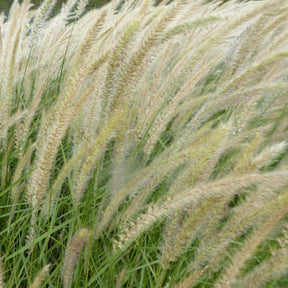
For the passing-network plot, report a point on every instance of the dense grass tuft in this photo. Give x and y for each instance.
(143, 145)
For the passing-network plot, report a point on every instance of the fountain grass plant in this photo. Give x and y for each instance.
(144, 146)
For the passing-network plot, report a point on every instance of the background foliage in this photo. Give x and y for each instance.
(6, 4)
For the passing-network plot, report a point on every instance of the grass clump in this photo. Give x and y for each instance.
(143, 145)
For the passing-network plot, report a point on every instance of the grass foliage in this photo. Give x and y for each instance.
(144, 146)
